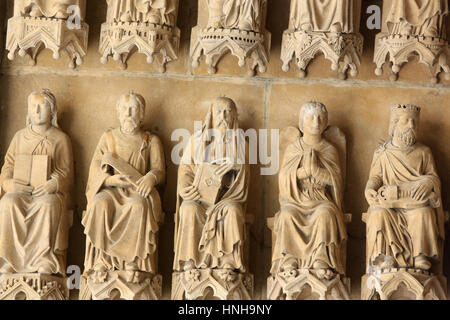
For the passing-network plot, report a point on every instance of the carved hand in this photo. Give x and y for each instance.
(15, 186)
(117, 181)
(50, 187)
(224, 169)
(371, 196)
(307, 163)
(146, 185)
(314, 164)
(421, 189)
(190, 193)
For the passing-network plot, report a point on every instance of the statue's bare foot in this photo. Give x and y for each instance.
(188, 265)
(306, 27)
(153, 17)
(228, 266)
(126, 17)
(131, 266)
(290, 265)
(406, 30)
(45, 269)
(321, 268)
(336, 28)
(383, 261)
(421, 262)
(35, 11)
(100, 267)
(329, 274)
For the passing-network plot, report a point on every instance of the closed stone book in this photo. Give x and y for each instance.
(33, 170)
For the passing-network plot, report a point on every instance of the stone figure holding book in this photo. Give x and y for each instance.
(213, 180)
(235, 14)
(151, 11)
(405, 221)
(124, 207)
(36, 181)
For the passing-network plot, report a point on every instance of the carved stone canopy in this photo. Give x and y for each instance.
(414, 28)
(329, 27)
(55, 24)
(231, 26)
(137, 26)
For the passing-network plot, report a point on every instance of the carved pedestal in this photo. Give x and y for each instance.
(33, 286)
(433, 52)
(29, 34)
(211, 284)
(119, 39)
(250, 47)
(344, 50)
(403, 284)
(302, 284)
(121, 285)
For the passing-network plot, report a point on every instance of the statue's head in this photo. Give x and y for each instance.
(42, 108)
(404, 123)
(224, 114)
(130, 111)
(313, 118)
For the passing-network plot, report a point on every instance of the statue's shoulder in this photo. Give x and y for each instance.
(422, 148)
(382, 147)
(58, 133)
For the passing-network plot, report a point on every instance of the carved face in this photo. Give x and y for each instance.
(223, 114)
(39, 110)
(130, 114)
(314, 122)
(405, 131)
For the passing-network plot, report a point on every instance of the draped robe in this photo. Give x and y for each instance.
(322, 14)
(310, 224)
(418, 13)
(208, 235)
(236, 14)
(34, 230)
(138, 10)
(405, 233)
(120, 225)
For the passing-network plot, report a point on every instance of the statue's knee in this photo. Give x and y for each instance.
(101, 202)
(10, 199)
(324, 215)
(287, 215)
(50, 200)
(189, 209)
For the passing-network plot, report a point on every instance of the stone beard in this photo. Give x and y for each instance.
(325, 15)
(235, 14)
(153, 11)
(120, 225)
(34, 229)
(402, 234)
(421, 17)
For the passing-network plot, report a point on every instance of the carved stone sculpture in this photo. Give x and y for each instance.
(210, 231)
(149, 26)
(414, 27)
(330, 27)
(52, 24)
(309, 233)
(36, 181)
(235, 26)
(405, 221)
(124, 210)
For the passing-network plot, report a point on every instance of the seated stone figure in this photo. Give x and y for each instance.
(310, 230)
(153, 11)
(418, 17)
(36, 181)
(328, 15)
(124, 207)
(210, 234)
(405, 221)
(235, 14)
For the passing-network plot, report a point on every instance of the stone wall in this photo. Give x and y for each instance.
(359, 106)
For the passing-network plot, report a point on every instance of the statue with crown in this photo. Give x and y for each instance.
(405, 220)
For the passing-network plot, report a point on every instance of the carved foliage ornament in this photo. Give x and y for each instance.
(52, 24)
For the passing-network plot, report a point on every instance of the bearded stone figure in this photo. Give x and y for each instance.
(124, 207)
(49, 8)
(235, 14)
(324, 15)
(36, 181)
(210, 234)
(418, 17)
(405, 223)
(152, 11)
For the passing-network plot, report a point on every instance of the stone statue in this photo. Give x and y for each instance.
(418, 17)
(405, 221)
(36, 182)
(153, 11)
(309, 231)
(213, 182)
(50, 8)
(124, 207)
(328, 15)
(235, 14)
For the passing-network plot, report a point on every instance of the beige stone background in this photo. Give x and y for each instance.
(359, 106)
